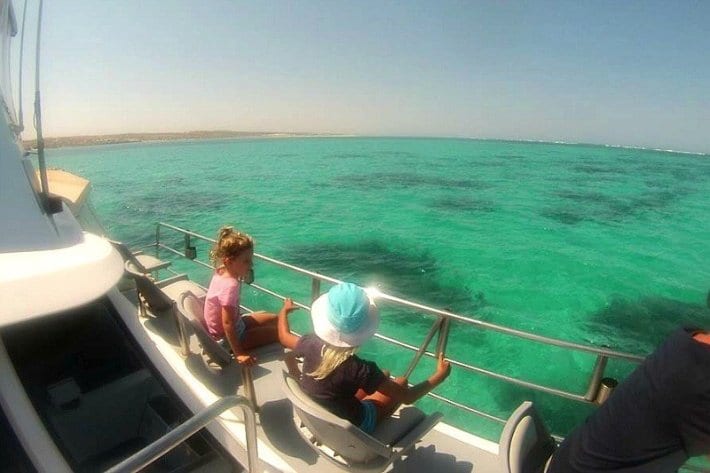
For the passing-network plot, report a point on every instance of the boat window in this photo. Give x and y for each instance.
(95, 393)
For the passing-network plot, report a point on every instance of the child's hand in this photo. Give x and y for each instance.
(289, 306)
(443, 369)
(246, 359)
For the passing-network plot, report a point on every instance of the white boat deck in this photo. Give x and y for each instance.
(444, 449)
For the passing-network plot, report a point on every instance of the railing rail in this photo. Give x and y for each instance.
(179, 434)
(432, 310)
(440, 327)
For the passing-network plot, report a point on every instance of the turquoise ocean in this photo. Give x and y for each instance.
(604, 246)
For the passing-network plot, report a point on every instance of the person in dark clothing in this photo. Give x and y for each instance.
(654, 420)
(333, 375)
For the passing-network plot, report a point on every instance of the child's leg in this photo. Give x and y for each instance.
(385, 404)
(258, 337)
(260, 318)
(260, 329)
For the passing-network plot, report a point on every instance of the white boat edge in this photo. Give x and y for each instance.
(82, 271)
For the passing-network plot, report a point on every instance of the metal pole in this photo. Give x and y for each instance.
(422, 348)
(315, 289)
(38, 121)
(596, 377)
(443, 336)
(190, 251)
(172, 439)
(157, 237)
(249, 391)
(20, 114)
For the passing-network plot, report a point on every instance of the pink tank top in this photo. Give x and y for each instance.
(223, 291)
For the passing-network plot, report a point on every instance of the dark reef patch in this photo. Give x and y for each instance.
(564, 215)
(647, 320)
(397, 154)
(386, 180)
(161, 205)
(490, 163)
(656, 183)
(495, 161)
(347, 156)
(632, 160)
(688, 174)
(656, 199)
(602, 208)
(583, 197)
(596, 169)
(403, 273)
(463, 204)
(684, 172)
(382, 154)
(511, 157)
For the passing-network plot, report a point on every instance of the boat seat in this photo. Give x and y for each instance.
(191, 307)
(137, 261)
(347, 446)
(526, 445)
(159, 296)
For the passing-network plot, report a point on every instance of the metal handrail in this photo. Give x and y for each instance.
(441, 326)
(420, 351)
(436, 326)
(432, 310)
(490, 374)
(179, 434)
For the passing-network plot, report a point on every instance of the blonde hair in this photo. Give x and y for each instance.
(230, 243)
(331, 358)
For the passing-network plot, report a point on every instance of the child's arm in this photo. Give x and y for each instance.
(228, 316)
(408, 395)
(287, 339)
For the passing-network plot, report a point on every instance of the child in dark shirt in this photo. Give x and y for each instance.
(350, 387)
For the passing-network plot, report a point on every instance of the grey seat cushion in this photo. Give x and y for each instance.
(391, 430)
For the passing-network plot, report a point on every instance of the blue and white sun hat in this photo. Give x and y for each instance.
(345, 316)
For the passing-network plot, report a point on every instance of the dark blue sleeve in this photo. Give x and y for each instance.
(367, 375)
(300, 348)
(693, 400)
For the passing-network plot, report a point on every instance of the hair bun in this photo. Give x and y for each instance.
(224, 232)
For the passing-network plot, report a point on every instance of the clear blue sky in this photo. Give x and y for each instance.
(631, 73)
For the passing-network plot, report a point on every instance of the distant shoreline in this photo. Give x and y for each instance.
(96, 140)
(123, 138)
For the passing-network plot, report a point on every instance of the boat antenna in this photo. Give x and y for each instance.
(20, 118)
(38, 120)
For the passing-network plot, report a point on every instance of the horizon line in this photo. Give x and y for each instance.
(226, 134)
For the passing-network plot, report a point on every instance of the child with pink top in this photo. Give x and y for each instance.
(232, 257)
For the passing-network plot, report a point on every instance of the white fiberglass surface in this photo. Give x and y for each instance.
(39, 283)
